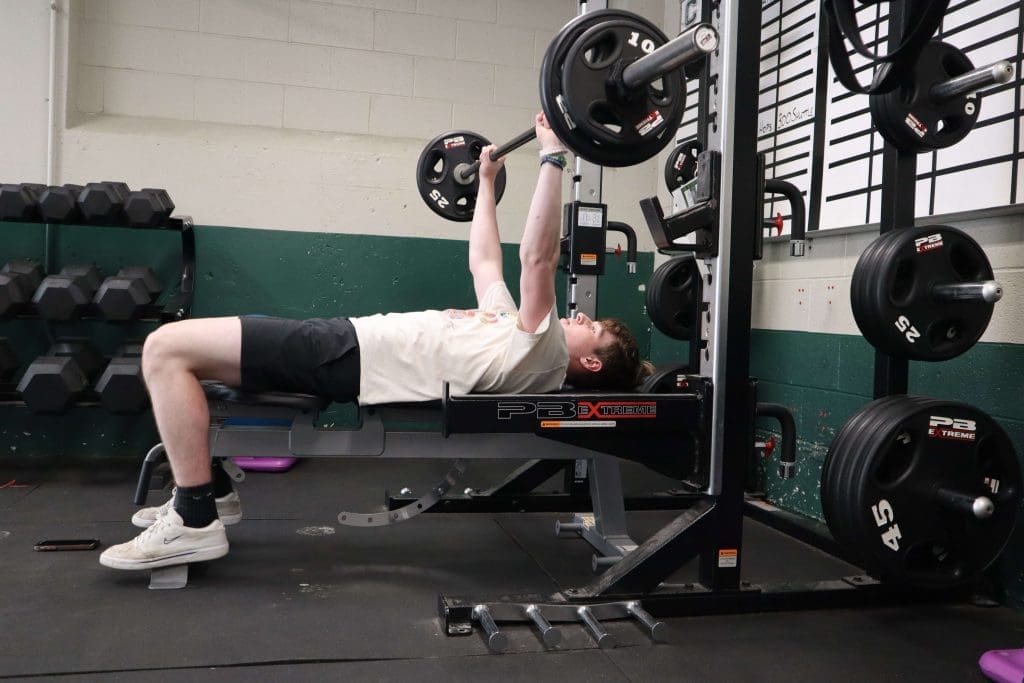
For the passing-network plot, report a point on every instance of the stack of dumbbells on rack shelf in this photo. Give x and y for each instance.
(73, 371)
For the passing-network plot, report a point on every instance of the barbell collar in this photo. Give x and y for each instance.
(988, 291)
(972, 81)
(980, 507)
(689, 46)
(464, 174)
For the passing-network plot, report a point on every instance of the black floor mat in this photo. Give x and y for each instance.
(301, 597)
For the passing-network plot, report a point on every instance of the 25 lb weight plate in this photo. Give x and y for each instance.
(437, 179)
(897, 293)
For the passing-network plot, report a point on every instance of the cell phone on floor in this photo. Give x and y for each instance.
(68, 544)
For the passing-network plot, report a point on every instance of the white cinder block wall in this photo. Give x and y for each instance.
(289, 114)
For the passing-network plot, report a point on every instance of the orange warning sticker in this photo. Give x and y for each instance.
(728, 557)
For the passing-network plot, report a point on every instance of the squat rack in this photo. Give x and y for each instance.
(711, 530)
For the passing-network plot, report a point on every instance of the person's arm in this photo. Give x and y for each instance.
(484, 241)
(539, 249)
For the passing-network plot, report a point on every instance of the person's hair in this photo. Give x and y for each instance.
(621, 366)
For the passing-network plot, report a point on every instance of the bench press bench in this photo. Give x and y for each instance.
(658, 430)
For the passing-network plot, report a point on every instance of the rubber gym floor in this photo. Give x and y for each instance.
(302, 598)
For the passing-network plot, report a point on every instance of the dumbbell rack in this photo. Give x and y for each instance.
(177, 307)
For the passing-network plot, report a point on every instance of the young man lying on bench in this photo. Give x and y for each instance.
(398, 357)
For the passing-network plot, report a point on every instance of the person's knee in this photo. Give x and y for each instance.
(163, 350)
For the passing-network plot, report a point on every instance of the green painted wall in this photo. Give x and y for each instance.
(274, 272)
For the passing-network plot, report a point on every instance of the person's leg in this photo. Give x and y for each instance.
(175, 358)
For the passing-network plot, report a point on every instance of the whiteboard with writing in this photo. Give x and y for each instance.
(795, 117)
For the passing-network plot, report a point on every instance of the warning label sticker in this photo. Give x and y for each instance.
(728, 557)
(650, 123)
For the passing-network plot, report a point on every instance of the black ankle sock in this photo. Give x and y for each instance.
(222, 484)
(196, 505)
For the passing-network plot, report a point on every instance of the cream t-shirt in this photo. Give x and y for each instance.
(409, 356)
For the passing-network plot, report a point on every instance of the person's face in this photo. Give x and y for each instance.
(584, 336)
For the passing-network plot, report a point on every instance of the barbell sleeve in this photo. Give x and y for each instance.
(657, 629)
(603, 638)
(980, 507)
(690, 45)
(496, 640)
(987, 291)
(515, 143)
(550, 635)
(972, 81)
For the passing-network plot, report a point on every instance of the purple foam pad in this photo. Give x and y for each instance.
(265, 464)
(1003, 666)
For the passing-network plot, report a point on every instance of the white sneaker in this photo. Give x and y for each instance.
(167, 542)
(229, 511)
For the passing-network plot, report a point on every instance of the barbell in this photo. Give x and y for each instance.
(612, 89)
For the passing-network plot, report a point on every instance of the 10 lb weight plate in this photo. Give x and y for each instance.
(674, 297)
(681, 164)
(584, 101)
(913, 120)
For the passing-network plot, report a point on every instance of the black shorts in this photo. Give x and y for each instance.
(318, 356)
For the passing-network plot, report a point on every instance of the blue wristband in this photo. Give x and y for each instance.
(555, 160)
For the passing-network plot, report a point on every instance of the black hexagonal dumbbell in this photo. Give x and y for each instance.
(20, 202)
(103, 203)
(125, 296)
(121, 388)
(67, 295)
(60, 204)
(53, 382)
(148, 208)
(18, 280)
(8, 361)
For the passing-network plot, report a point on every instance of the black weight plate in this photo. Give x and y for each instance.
(864, 275)
(924, 446)
(639, 122)
(847, 453)
(673, 297)
(836, 457)
(589, 126)
(551, 74)
(436, 178)
(911, 119)
(857, 448)
(681, 164)
(842, 453)
(896, 308)
(665, 380)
